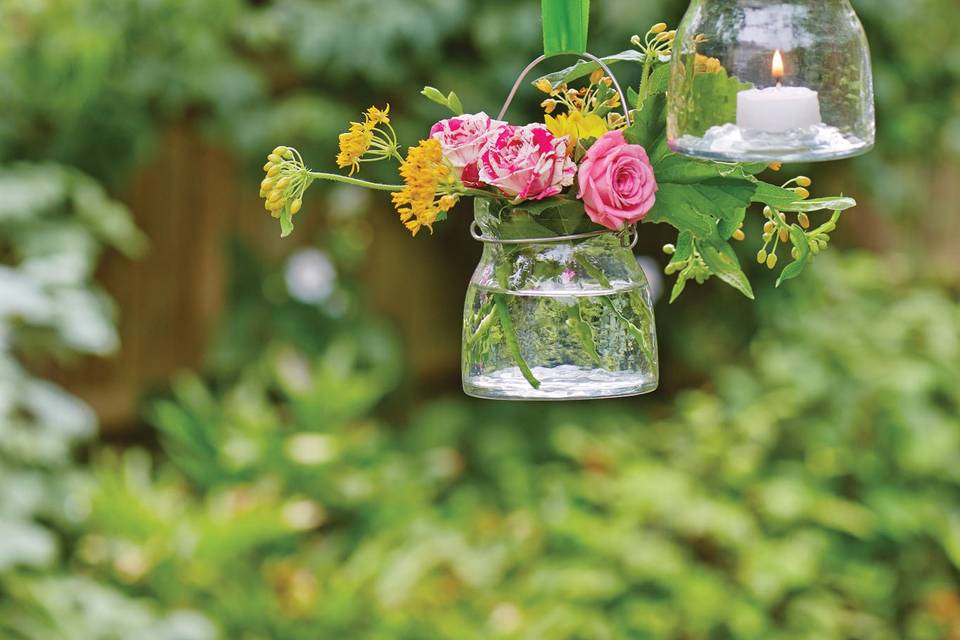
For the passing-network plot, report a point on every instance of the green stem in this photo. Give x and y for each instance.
(356, 181)
(511, 337)
(482, 328)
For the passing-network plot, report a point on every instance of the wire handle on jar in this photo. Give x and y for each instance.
(585, 56)
(628, 237)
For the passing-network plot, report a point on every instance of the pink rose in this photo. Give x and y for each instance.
(462, 139)
(617, 184)
(528, 163)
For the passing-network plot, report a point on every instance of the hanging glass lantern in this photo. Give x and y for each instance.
(771, 80)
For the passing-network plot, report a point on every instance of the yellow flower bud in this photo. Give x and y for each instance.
(273, 157)
(804, 181)
(660, 27)
(669, 249)
(283, 182)
(596, 76)
(295, 206)
(636, 41)
(769, 226)
(267, 166)
(804, 220)
(768, 212)
(266, 184)
(761, 256)
(803, 193)
(544, 85)
(275, 195)
(784, 235)
(273, 170)
(280, 151)
(795, 253)
(776, 166)
(771, 261)
(739, 235)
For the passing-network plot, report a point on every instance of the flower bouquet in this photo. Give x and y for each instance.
(558, 307)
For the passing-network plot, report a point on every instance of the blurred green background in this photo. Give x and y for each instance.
(282, 448)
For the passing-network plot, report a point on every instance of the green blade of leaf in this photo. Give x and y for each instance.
(795, 268)
(821, 204)
(286, 222)
(723, 263)
(433, 94)
(565, 25)
(584, 68)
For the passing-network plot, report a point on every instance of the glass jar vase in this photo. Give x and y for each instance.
(557, 309)
(766, 80)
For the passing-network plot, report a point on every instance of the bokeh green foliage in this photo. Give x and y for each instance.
(807, 490)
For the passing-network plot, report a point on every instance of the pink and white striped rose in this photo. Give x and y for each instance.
(462, 139)
(526, 163)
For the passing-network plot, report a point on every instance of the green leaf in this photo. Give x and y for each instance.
(565, 24)
(649, 123)
(821, 204)
(434, 94)
(711, 101)
(795, 268)
(584, 68)
(286, 222)
(723, 262)
(708, 209)
(684, 247)
(453, 102)
(776, 197)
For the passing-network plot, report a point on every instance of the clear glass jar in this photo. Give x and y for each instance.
(800, 71)
(556, 310)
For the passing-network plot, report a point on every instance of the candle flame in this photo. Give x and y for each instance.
(777, 66)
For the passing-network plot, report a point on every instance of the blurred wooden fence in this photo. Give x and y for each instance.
(187, 200)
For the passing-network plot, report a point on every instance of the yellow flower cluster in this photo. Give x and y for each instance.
(424, 173)
(285, 181)
(704, 64)
(362, 139)
(576, 126)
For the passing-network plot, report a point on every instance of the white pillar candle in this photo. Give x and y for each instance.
(778, 108)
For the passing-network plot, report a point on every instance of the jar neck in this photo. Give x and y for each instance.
(533, 221)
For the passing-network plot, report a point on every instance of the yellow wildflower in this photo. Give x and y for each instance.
(544, 85)
(424, 173)
(703, 64)
(576, 126)
(376, 116)
(353, 144)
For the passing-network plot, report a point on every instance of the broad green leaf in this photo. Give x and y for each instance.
(649, 123)
(795, 268)
(776, 197)
(286, 222)
(684, 247)
(711, 101)
(723, 262)
(565, 24)
(708, 209)
(684, 170)
(584, 68)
